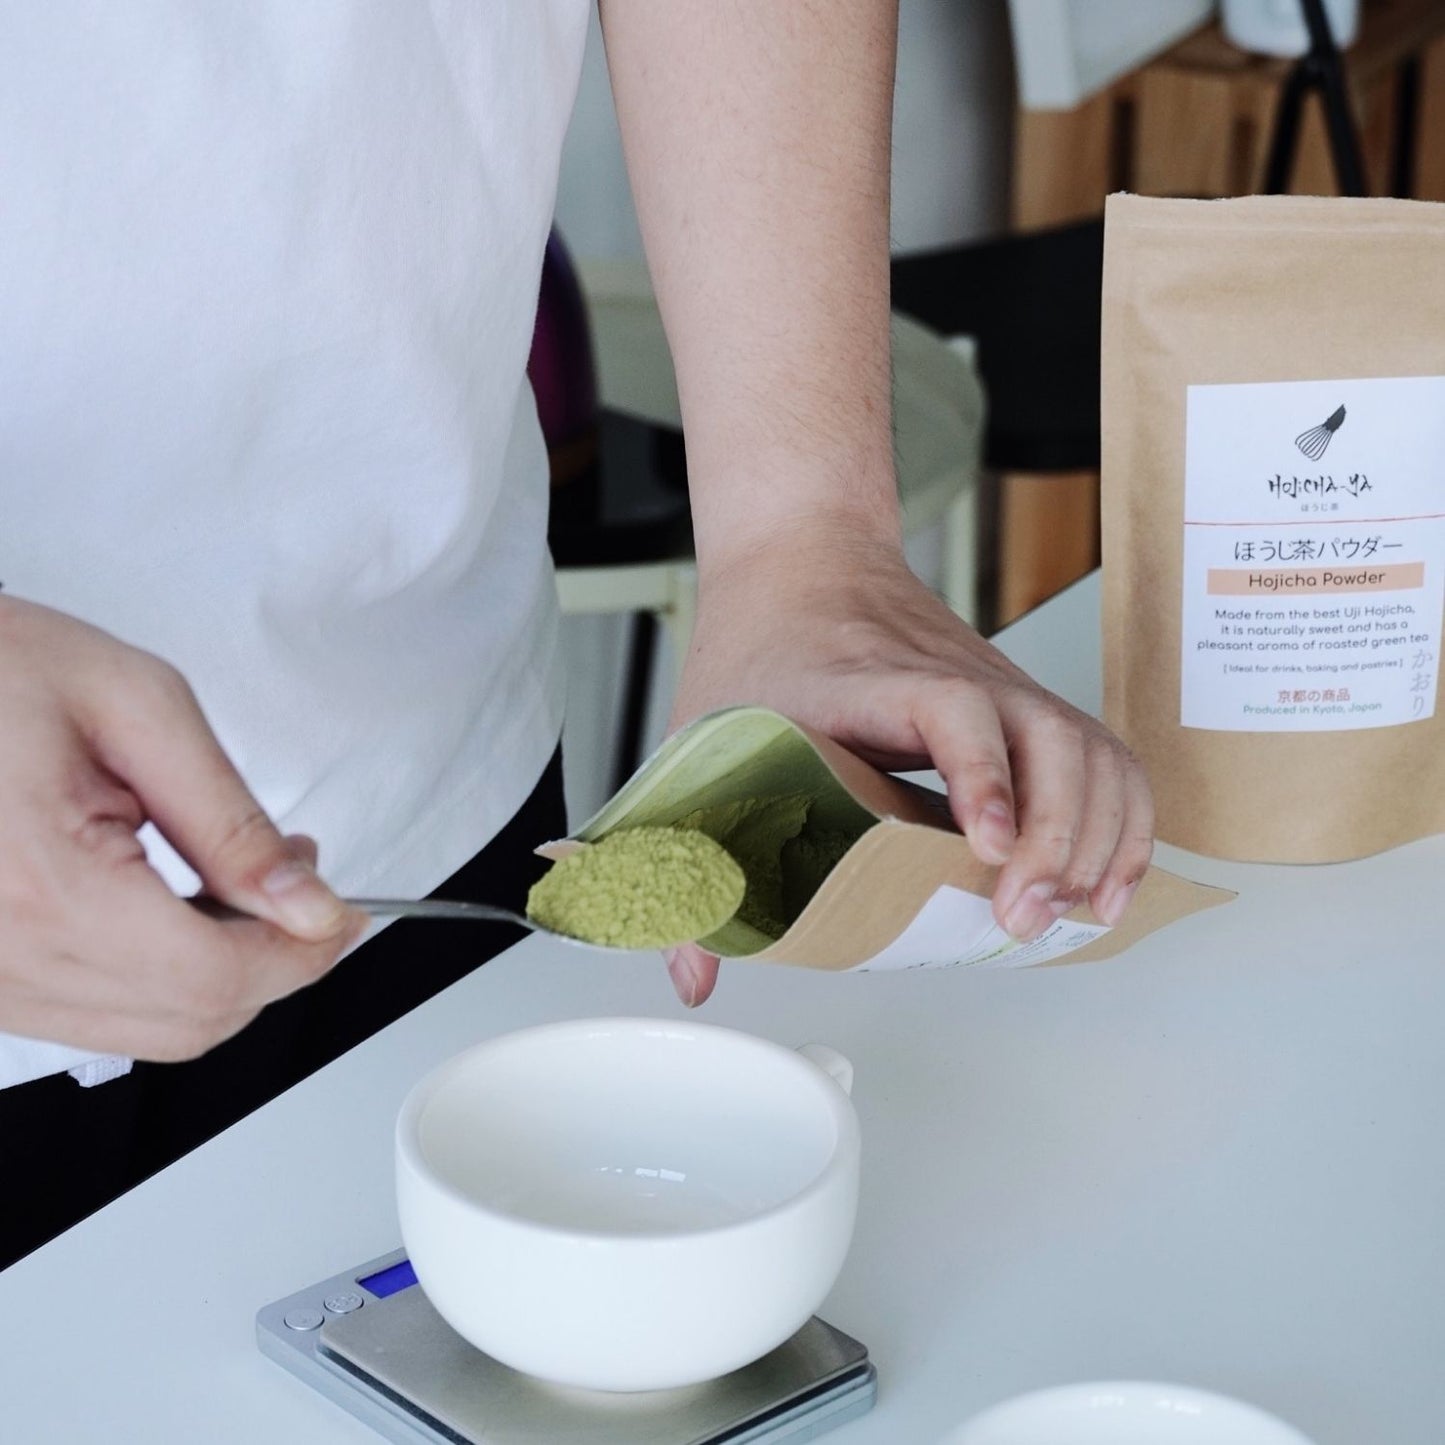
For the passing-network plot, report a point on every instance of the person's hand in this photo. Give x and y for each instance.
(95, 950)
(840, 635)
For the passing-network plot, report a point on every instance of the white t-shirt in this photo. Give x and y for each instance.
(268, 277)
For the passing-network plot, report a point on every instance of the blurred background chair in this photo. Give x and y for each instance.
(1031, 304)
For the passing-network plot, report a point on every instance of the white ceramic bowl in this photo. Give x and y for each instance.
(1124, 1412)
(628, 1204)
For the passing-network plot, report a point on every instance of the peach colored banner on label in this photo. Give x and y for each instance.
(1292, 581)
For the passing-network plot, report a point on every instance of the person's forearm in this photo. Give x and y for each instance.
(757, 135)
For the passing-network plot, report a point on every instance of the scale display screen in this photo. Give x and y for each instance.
(389, 1281)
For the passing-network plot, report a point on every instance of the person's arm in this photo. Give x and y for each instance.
(95, 950)
(757, 136)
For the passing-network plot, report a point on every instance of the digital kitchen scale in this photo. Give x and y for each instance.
(370, 1340)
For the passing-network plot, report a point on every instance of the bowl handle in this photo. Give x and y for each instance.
(835, 1065)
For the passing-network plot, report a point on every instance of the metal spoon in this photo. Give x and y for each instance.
(452, 908)
(682, 862)
(457, 908)
(676, 869)
(421, 908)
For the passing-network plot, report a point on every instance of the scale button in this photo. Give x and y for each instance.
(344, 1303)
(304, 1320)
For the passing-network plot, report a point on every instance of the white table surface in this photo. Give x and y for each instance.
(1215, 1160)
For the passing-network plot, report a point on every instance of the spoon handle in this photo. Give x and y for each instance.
(424, 908)
(436, 908)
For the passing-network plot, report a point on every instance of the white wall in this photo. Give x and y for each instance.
(952, 122)
(951, 141)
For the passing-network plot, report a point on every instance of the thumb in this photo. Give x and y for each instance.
(154, 737)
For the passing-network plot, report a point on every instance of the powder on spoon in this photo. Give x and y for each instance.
(640, 888)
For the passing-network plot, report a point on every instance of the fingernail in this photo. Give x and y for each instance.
(1031, 912)
(1060, 906)
(1117, 904)
(684, 975)
(304, 905)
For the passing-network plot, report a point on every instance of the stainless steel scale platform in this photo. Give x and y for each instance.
(371, 1341)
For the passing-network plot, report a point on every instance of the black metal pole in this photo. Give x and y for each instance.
(1407, 123)
(1335, 96)
(1286, 130)
(1320, 69)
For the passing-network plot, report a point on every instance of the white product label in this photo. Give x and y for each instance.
(1314, 554)
(955, 929)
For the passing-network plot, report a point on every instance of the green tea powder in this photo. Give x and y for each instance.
(640, 888)
(807, 860)
(784, 854)
(754, 831)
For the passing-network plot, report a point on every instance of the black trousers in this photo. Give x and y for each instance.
(66, 1151)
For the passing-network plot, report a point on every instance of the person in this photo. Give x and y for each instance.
(273, 557)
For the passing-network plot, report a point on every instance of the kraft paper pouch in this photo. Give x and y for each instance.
(907, 893)
(1274, 518)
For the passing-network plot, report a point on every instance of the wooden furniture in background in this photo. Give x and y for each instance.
(1197, 121)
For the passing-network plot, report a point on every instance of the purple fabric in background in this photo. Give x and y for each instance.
(560, 366)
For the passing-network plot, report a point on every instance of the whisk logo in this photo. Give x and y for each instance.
(1309, 490)
(1314, 441)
